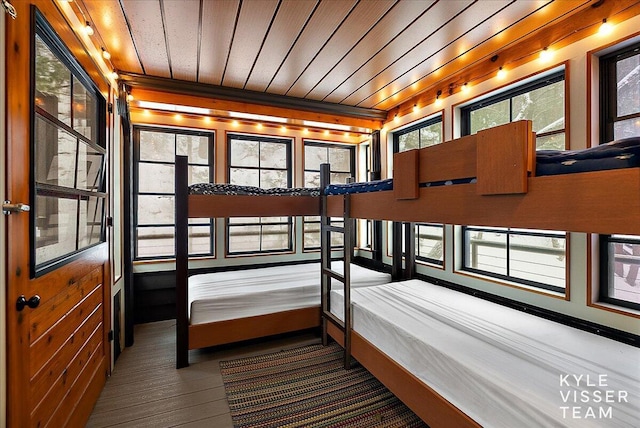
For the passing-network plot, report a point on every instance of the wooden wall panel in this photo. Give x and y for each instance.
(181, 47)
(220, 19)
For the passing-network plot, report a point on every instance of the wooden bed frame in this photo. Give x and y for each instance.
(507, 194)
(213, 206)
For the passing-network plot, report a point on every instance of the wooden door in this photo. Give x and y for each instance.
(58, 350)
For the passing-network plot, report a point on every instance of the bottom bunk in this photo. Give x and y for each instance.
(457, 360)
(226, 307)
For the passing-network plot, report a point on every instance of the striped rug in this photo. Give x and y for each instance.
(308, 387)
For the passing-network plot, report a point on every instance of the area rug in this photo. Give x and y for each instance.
(309, 387)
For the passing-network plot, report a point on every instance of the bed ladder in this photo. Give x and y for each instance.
(327, 274)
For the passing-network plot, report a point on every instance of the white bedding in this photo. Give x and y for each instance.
(238, 294)
(502, 367)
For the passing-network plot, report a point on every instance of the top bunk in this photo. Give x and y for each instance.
(496, 178)
(214, 200)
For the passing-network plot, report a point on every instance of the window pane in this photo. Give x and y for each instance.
(244, 177)
(538, 259)
(486, 251)
(340, 178)
(273, 155)
(90, 164)
(156, 178)
(311, 179)
(90, 222)
(408, 141)
(314, 156)
(490, 116)
(84, 111)
(199, 174)
(155, 241)
(55, 155)
(200, 240)
(544, 106)
(431, 135)
(624, 261)
(244, 153)
(157, 146)
(244, 239)
(626, 128)
(53, 84)
(429, 242)
(270, 179)
(311, 235)
(340, 159)
(156, 209)
(275, 237)
(551, 142)
(628, 84)
(55, 224)
(196, 147)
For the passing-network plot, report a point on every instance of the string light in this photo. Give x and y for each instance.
(129, 97)
(396, 118)
(465, 87)
(105, 54)
(546, 55)
(438, 100)
(114, 75)
(415, 108)
(501, 73)
(88, 29)
(605, 28)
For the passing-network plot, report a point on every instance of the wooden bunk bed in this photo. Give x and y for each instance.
(224, 201)
(501, 189)
(217, 206)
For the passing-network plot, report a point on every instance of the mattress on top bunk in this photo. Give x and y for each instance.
(500, 366)
(244, 293)
(623, 153)
(233, 189)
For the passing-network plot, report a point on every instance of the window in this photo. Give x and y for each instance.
(620, 94)
(260, 162)
(541, 101)
(620, 102)
(429, 237)
(532, 257)
(342, 165)
(68, 155)
(155, 154)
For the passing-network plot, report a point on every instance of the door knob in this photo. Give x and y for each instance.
(9, 208)
(33, 302)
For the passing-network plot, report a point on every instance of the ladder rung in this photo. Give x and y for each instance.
(333, 274)
(334, 319)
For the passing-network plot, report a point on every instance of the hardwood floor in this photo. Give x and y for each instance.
(146, 390)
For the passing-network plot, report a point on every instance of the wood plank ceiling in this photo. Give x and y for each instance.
(372, 54)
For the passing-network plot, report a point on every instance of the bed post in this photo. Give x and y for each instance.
(396, 257)
(347, 256)
(409, 250)
(182, 261)
(325, 250)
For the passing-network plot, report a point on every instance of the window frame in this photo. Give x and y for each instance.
(608, 91)
(136, 187)
(608, 118)
(288, 142)
(352, 167)
(465, 127)
(45, 32)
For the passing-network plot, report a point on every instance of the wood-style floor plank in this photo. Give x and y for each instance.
(146, 390)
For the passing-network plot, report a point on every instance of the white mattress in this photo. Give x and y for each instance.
(238, 294)
(502, 367)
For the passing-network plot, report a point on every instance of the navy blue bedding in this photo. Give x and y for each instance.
(364, 187)
(624, 153)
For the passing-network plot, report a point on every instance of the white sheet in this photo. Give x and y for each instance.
(244, 293)
(502, 367)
